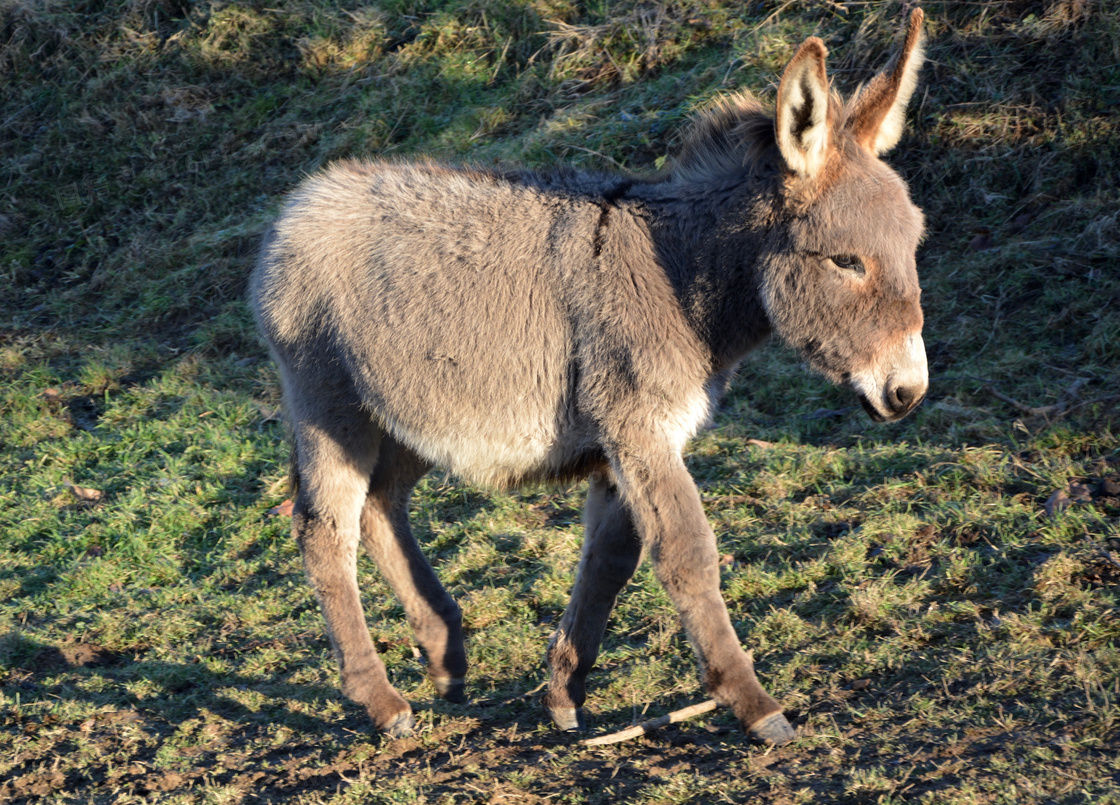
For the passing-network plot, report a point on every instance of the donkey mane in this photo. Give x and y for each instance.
(734, 133)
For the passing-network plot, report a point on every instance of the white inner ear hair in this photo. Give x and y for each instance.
(803, 121)
(890, 131)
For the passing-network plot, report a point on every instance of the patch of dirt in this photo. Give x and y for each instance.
(40, 784)
(40, 658)
(80, 655)
(1102, 570)
(488, 761)
(84, 413)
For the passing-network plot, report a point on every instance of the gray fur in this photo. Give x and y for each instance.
(521, 326)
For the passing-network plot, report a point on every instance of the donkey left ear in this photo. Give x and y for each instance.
(877, 114)
(802, 126)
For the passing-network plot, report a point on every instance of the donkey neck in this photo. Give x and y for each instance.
(708, 240)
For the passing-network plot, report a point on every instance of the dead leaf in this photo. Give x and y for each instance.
(1062, 499)
(283, 510)
(760, 443)
(981, 242)
(1057, 502)
(727, 560)
(1080, 493)
(860, 684)
(84, 493)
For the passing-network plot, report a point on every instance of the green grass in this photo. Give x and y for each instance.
(942, 628)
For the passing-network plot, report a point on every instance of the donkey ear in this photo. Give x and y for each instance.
(801, 124)
(877, 114)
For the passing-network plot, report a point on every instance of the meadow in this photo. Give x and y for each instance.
(935, 602)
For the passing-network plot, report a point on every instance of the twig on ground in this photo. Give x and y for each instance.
(1083, 403)
(652, 724)
(1058, 409)
(1045, 410)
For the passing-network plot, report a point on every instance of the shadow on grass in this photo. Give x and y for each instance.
(185, 689)
(176, 740)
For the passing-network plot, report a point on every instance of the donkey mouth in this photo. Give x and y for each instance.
(878, 416)
(870, 409)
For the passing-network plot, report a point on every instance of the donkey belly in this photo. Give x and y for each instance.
(490, 414)
(488, 405)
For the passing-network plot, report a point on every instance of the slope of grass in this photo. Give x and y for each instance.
(936, 602)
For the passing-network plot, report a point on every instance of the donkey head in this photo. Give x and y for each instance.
(841, 283)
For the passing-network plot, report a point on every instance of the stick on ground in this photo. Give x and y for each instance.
(652, 724)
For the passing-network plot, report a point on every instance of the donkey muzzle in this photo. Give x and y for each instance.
(897, 384)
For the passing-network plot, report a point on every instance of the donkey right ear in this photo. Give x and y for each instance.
(876, 115)
(802, 124)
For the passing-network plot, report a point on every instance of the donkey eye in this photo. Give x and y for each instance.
(848, 262)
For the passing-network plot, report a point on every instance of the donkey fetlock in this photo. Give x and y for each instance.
(450, 688)
(390, 713)
(566, 691)
(757, 711)
(441, 638)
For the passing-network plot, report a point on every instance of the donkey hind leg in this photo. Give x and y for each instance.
(336, 454)
(611, 551)
(434, 616)
(682, 547)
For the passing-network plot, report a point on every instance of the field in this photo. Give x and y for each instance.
(935, 602)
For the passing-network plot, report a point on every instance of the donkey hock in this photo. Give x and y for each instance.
(518, 326)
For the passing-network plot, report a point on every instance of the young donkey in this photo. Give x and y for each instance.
(523, 326)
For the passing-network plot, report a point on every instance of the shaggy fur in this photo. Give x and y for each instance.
(513, 326)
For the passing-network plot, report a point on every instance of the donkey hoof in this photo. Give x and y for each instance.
(773, 729)
(567, 719)
(401, 726)
(451, 688)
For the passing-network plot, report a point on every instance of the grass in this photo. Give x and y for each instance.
(935, 602)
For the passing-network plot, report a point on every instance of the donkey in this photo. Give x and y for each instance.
(515, 326)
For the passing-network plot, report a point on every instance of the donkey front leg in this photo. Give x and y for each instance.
(334, 477)
(611, 550)
(670, 518)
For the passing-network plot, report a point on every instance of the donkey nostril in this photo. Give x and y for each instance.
(902, 398)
